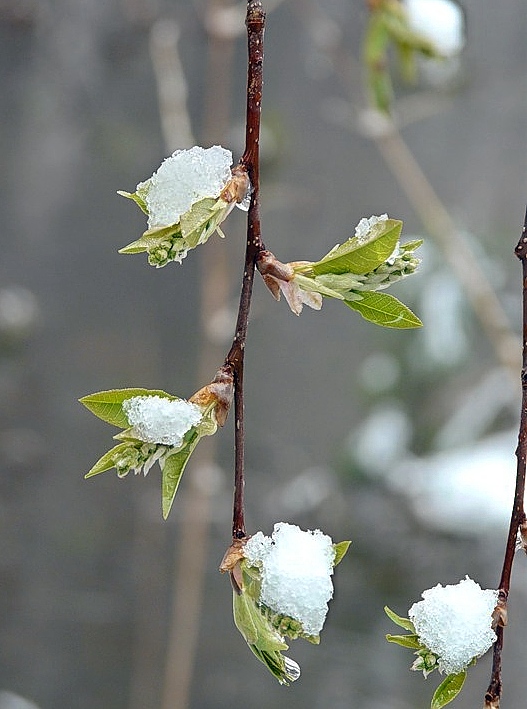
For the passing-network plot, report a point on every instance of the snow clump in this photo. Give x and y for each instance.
(158, 420)
(363, 228)
(455, 623)
(440, 21)
(184, 178)
(296, 569)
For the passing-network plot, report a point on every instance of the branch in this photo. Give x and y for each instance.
(255, 21)
(517, 523)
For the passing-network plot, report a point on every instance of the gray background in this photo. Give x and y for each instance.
(86, 567)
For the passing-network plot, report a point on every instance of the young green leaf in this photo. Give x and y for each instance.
(448, 690)
(405, 623)
(410, 641)
(138, 197)
(107, 461)
(313, 285)
(385, 310)
(340, 551)
(359, 255)
(410, 245)
(197, 218)
(150, 239)
(108, 405)
(173, 470)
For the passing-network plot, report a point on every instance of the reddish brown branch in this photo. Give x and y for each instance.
(255, 21)
(493, 694)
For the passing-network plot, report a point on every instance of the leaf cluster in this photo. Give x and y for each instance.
(171, 243)
(133, 453)
(451, 686)
(356, 270)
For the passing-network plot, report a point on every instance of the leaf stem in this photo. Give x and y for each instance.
(255, 22)
(518, 518)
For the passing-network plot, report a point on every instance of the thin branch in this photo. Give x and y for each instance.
(192, 547)
(255, 22)
(493, 694)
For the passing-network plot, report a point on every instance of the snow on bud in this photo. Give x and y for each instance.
(455, 623)
(296, 569)
(183, 179)
(439, 21)
(186, 200)
(155, 419)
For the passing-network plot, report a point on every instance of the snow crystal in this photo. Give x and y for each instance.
(454, 622)
(159, 420)
(364, 227)
(184, 178)
(440, 21)
(296, 568)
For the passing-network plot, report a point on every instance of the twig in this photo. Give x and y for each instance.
(255, 21)
(517, 523)
(171, 84)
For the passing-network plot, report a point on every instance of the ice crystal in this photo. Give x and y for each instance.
(364, 227)
(184, 178)
(296, 569)
(155, 419)
(454, 622)
(440, 21)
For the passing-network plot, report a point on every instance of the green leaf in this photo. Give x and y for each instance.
(196, 219)
(313, 285)
(361, 255)
(376, 40)
(405, 623)
(150, 239)
(138, 197)
(448, 690)
(173, 470)
(108, 405)
(340, 551)
(410, 641)
(255, 627)
(107, 461)
(385, 310)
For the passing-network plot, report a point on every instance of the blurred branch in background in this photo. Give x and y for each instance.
(456, 250)
(191, 551)
(385, 134)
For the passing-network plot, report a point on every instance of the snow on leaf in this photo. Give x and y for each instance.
(108, 405)
(362, 254)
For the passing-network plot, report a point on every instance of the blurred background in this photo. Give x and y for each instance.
(402, 442)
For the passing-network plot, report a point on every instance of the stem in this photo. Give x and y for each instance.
(492, 696)
(255, 21)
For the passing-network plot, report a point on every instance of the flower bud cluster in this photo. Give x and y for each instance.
(287, 626)
(425, 662)
(170, 249)
(389, 272)
(186, 200)
(139, 458)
